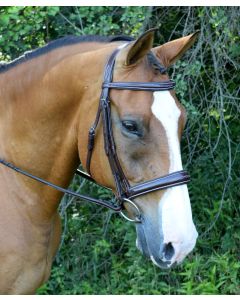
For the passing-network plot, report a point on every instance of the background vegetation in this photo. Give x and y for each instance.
(98, 253)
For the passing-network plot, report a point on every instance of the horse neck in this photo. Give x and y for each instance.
(44, 113)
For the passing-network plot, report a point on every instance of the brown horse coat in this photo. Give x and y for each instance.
(47, 105)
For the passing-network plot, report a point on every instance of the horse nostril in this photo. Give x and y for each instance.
(168, 251)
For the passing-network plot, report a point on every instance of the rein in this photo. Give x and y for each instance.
(124, 191)
(106, 204)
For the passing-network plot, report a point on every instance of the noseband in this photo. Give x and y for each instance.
(125, 193)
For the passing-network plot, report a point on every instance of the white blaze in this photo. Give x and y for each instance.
(174, 207)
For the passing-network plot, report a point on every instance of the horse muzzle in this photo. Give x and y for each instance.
(152, 244)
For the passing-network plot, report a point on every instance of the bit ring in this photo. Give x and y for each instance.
(138, 216)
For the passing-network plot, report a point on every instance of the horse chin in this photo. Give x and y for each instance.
(141, 242)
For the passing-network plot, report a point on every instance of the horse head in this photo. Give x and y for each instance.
(147, 128)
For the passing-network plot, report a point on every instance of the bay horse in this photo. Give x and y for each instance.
(49, 100)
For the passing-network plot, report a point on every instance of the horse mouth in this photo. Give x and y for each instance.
(151, 253)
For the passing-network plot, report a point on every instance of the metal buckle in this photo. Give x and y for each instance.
(138, 215)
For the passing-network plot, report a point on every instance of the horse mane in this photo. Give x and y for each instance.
(61, 42)
(71, 40)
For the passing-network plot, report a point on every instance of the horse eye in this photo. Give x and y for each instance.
(130, 126)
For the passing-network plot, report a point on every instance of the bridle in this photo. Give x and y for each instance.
(125, 193)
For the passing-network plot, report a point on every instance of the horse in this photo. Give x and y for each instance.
(49, 100)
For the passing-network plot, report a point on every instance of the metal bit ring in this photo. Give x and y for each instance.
(137, 218)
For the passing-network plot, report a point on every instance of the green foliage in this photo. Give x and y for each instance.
(98, 253)
(100, 258)
(23, 28)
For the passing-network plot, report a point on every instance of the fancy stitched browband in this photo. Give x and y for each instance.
(124, 192)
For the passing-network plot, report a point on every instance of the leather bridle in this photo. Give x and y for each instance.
(125, 193)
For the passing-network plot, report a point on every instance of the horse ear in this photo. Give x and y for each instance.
(140, 47)
(170, 52)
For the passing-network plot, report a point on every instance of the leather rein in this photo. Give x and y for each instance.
(124, 191)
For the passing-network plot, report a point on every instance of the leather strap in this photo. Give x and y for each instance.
(161, 183)
(114, 206)
(141, 86)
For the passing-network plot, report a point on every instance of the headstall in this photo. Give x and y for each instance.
(125, 193)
